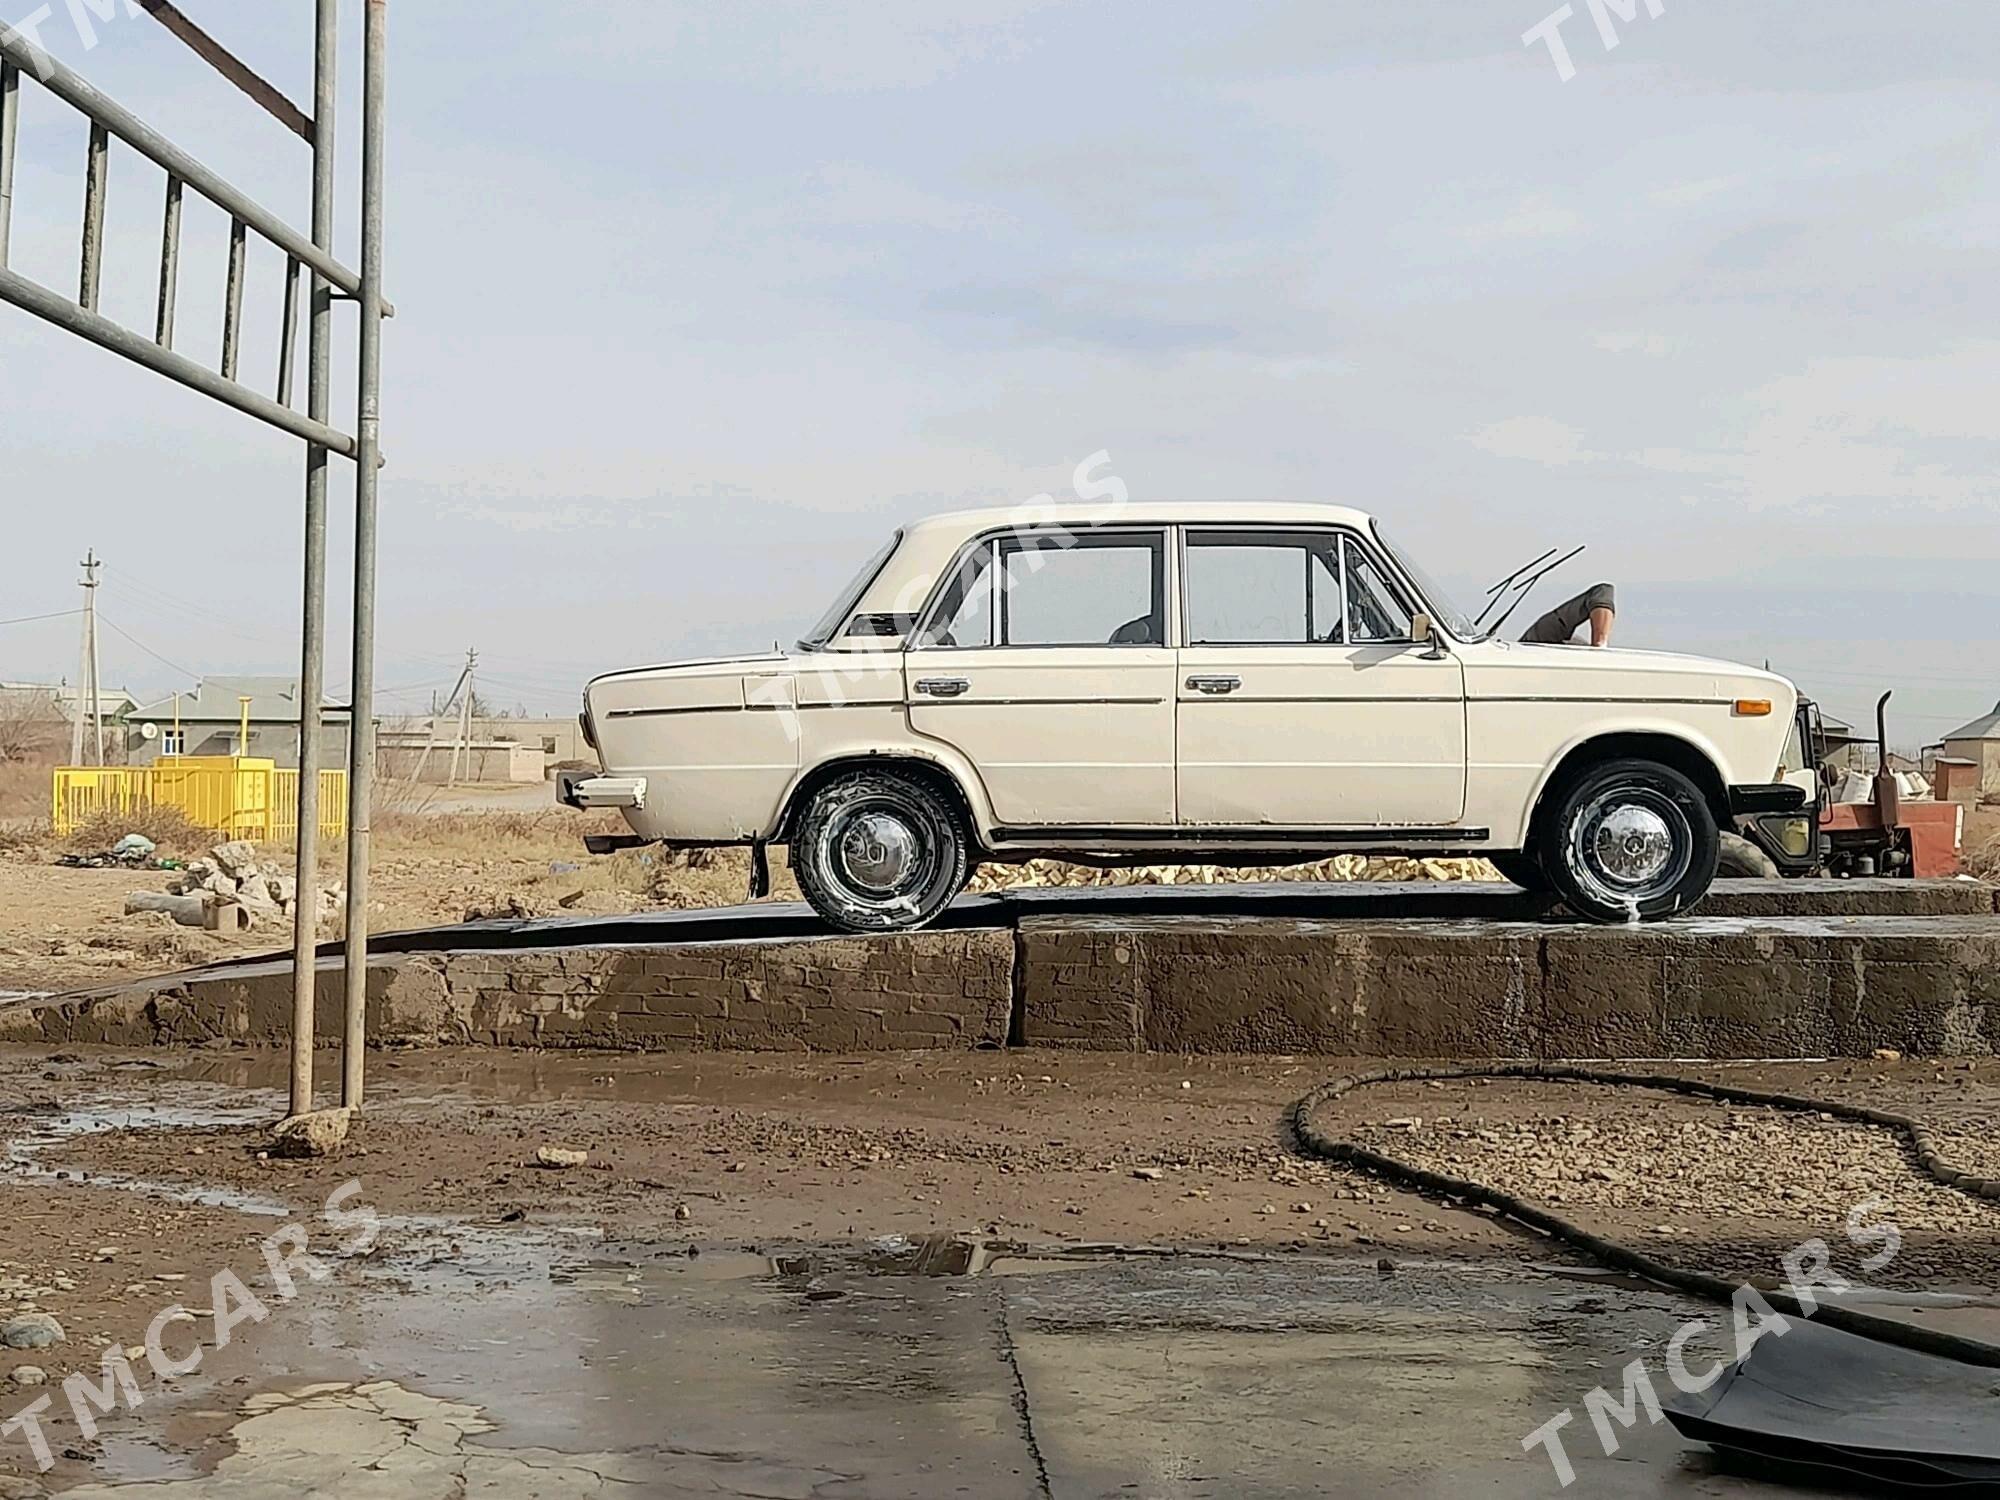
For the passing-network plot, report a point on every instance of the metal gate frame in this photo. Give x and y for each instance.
(20, 60)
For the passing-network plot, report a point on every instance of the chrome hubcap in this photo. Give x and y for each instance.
(1632, 845)
(878, 850)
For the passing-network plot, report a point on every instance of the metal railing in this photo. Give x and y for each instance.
(237, 797)
(21, 56)
(19, 59)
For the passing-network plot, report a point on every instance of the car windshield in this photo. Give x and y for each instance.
(835, 619)
(1448, 614)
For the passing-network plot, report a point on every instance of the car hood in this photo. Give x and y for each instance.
(1619, 671)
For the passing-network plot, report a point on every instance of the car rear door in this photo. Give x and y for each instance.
(1303, 702)
(1045, 663)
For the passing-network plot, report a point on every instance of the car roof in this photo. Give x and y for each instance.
(1156, 512)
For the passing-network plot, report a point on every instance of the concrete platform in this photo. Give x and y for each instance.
(1417, 971)
(1333, 901)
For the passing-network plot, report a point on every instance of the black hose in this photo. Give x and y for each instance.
(1312, 1141)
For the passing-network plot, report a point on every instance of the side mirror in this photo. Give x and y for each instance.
(1422, 631)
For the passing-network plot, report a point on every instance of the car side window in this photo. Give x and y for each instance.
(1056, 588)
(965, 615)
(1101, 589)
(1262, 588)
(1375, 616)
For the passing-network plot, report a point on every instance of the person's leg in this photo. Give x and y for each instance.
(1596, 605)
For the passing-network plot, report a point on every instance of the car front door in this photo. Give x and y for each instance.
(1303, 701)
(1045, 663)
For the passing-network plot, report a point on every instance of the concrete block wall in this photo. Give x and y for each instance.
(933, 989)
(1787, 987)
(1705, 987)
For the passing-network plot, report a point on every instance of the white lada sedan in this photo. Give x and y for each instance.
(1225, 684)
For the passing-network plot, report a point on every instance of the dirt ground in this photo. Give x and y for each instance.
(1055, 1147)
(63, 928)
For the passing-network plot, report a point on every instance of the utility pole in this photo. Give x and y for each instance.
(466, 690)
(92, 700)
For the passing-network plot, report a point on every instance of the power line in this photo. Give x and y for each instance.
(151, 597)
(146, 648)
(61, 614)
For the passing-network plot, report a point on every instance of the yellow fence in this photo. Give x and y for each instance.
(285, 804)
(240, 797)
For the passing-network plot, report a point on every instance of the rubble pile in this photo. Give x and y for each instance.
(231, 891)
(1055, 872)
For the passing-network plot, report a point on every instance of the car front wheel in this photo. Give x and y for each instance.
(1631, 840)
(879, 852)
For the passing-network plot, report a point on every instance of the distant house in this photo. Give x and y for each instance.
(1979, 743)
(210, 723)
(499, 749)
(1841, 743)
(35, 719)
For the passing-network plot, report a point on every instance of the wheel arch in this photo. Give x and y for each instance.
(1693, 760)
(930, 769)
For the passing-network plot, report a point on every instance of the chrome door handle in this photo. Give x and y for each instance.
(1214, 686)
(943, 687)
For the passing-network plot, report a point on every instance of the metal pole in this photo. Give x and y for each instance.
(10, 134)
(232, 297)
(312, 663)
(367, 473)
(170, 266)
(96, 182)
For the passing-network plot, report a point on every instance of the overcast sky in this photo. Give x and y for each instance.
(696, 301)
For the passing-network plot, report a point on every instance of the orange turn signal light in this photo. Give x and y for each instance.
(1753, 708)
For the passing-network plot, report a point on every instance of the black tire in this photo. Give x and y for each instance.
(1630, 840)
(1523, 869)
(1742, 860)
(877, 851)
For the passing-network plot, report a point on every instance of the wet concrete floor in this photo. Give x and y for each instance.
(543, 1365)
(539, 1360)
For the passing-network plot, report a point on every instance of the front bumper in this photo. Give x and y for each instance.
(588, 790)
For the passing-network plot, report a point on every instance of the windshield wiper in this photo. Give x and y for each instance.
(1495, 594)
(1525, 587)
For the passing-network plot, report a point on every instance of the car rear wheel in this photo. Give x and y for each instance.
(1630, 840)
(879, 852)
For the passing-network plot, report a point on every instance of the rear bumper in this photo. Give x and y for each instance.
(1768, 797)
(587, 790)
